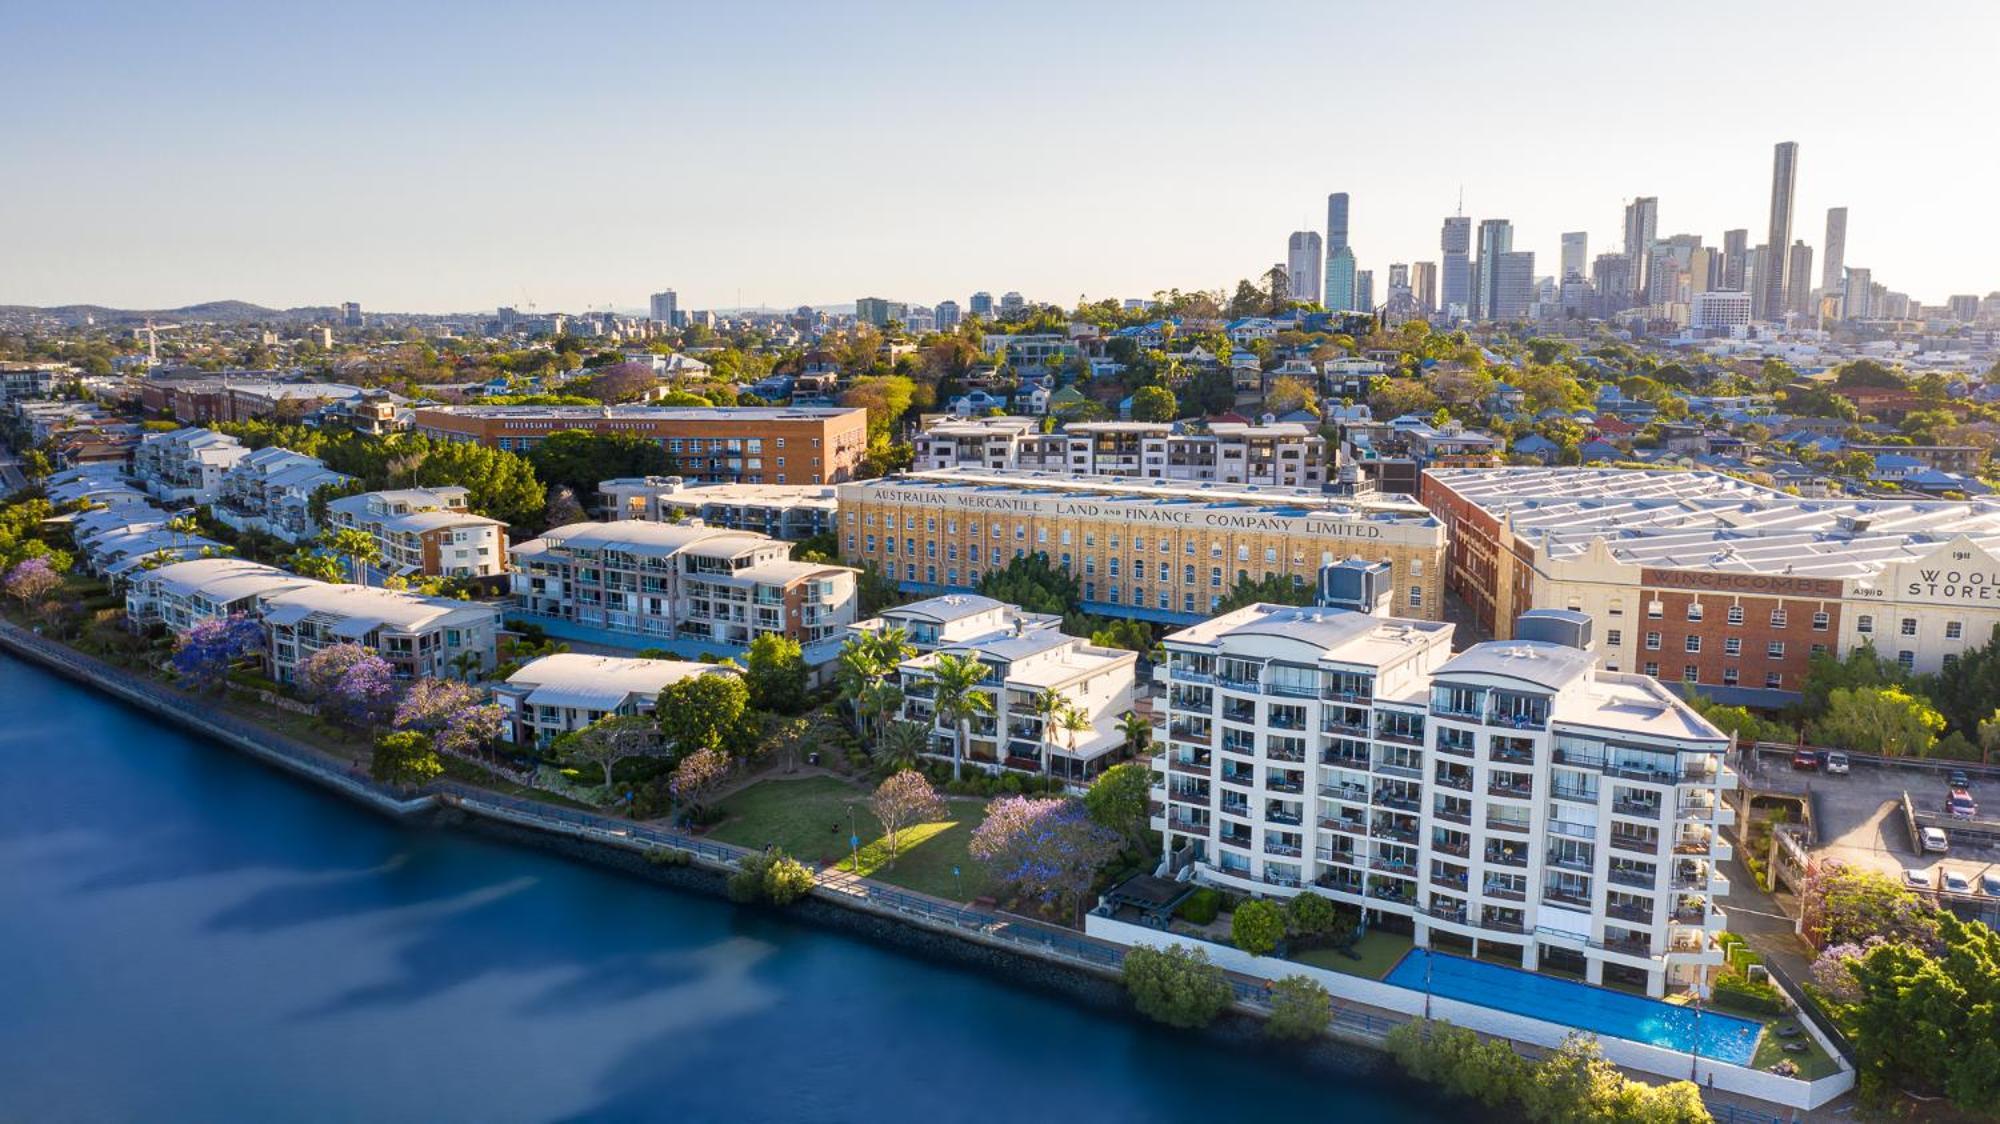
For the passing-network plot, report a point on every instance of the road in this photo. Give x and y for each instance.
(11, 478)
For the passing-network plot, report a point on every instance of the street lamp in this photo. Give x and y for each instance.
(853, 843)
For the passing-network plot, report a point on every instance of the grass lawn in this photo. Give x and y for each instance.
(1379, 952)
(809, 819)
(1813, 1064)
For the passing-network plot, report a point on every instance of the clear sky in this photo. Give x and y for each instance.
(451, 157)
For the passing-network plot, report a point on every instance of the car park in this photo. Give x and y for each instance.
(1836, 764)
(1954, 882)
(1932, 839)
(1989, 884)
(1805, 759)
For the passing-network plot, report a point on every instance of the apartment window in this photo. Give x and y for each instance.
(1690, 674)
(1729, 677)
(1820, 621)
(1655, 610)
(1652, 642)
(1242, 552)
(1732, 646)
(1215, 577)
(781, 442)
(1694, 611)
(1953, 630)
(1735, 614)
(1416, 596)
(1909, 626)
(1065, 536)
(1613, 638)
(1773, 680)
(1041, 536)
(1775, 649)
(1864, 624)
(1780, 618)
(1653, 670)
(1693, 644)
(1187, 577)
(1907, 660)
(888, 522)
(1819, 649)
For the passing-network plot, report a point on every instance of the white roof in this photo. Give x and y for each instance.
(221, 579)
(583, 682)
(361, 609)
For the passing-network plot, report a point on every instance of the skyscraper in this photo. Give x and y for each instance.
(1642, 221)
(1798, 291)
(350, 314)
(947, 315)
(1856, 304)
(1302, 262)
(1424, 285)
(1340, 280)
(1496, 237)
(1513, 284)
(1399, 276)
(1735, 259)
(1455, 278)
(872, 311)
(1576, 254)
(1364, 290)
(1831, 270)
(1336, 221)
(1772, 279)
(665, 308)
(980, 305)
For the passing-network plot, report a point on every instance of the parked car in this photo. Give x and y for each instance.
(1960, 805)
(1916, 879)
(1933, 839)
(1955, 881)
(1989, 884)
(1805, 759)
(1836, 764)
(1957, 779)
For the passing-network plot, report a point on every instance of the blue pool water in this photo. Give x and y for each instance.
(1596, 1009)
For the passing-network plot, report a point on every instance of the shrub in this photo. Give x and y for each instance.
(1176, 985)
(668, 856)
(1256, 927)
(1300, 1009)
(1201, 907)
(1745, 994)
(770, 876)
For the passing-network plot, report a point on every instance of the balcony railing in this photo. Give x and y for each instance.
(1694, 845)
(1399, 737)
(1295, 755)
(1454, 914)
(1495, 823)
(1341, 858)
(1511, 791)
(1278, 784)
(1642, 844)
(1291, 819)
(1388, 799)
(1199, 765)
(1396, 769)
(1342, 757)
(1352, 827)
(1627, 946)
(1638, 809)
(1461, 781)
(1392, 832)
(1626, 877)
(1454, 815)
(1286, 849)
(1455, 749)
(1629, 912)
(1284, 880)
(1501, 925)
(1350, 792)
(1443, 847)
(1565, 899)
(1499, 857)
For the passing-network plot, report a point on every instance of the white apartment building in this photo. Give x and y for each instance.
(425, 531)
(421, 637)
(563, 693)
(1025, 658)
(1509, 800)
(185, 465)
(782, 511)
(1719, 310)
(185, 594)
(676, 581)
(937, 622)
(271, 490)
(1281, 454)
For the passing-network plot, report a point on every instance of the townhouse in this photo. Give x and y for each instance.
(425, 531)
(186, 465)
(555, 695)
(1511, 801)
(666, 581)
(1276, 454)
(271, 490)
(782, 511)
(181, 595)
(420, 637)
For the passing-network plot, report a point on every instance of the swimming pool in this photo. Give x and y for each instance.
(1596, 1009)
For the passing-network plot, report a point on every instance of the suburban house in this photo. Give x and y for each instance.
(562, 693)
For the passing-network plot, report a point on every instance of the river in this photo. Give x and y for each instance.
(187, 935)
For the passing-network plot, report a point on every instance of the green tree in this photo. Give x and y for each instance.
(1277, 589)
(776, 674)
(405, 758)
(1459, 1061)
(704, 712)
(1310, 917)
(1862, 666)
(1739, 721)
(770, 876)
(358, 547)
(580, 459)
(1120, 799)
(1886, 720)
(900, 745)
(1574, 1085)
(1176, 985)
(1137, 731)
(608, 741)
(1300, 1009)
(958, 699)
(1257, 926)
(1034, 584)
(1154, 404)
(1125, 632)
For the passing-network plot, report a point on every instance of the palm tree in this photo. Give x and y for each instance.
(879, 700)
(890, 646)
(855, 672)
(958, 699)
(900, 745)
(1072, 720)
(467, 664)
(1137, 730)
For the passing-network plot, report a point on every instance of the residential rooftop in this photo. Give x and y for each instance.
(1302, 500)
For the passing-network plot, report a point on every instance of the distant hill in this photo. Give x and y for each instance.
(214, 312)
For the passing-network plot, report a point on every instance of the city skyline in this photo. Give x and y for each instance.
(163, 181)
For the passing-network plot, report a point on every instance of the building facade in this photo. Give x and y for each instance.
(1287, 455)
(733, 445)
(1161, 552)
(425, 531)
(783, 511)
(420, 637)
(1511, 801)
(563, 693)
(271, 491)
(668, 581)
(186, 465)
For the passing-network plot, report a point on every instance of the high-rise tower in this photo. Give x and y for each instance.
(1496, 237)
(1576, 255)
(1832, 267)
(1455, 280)
(1642, 221)
(1302, 262)
(1772, 278)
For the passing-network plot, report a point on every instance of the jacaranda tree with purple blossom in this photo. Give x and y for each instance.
(204, 654)
(350, 683)
(453, 714)
(1045, 849)
(33, 581)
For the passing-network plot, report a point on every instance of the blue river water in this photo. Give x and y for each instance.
(186, 935)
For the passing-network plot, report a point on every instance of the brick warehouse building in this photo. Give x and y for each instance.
(1154, 550)
(718, 444)
(1702, 579)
